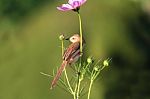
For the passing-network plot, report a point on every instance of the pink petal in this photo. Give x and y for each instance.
(76, 4)
(83, 1)
(72, 1)
(65, 7)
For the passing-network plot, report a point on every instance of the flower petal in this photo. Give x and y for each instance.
(82, 1)
(76, 4)
(72, 1)
(65, 7)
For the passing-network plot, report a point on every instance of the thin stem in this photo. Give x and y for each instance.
(68, 82)
(87, 66)
(89, 92)
(95, 74)
(74, 96)
(75, 89)
(80, 23)
(79, 80)
(102, 67)
(46, 74)
(62, 47)
(78, 88)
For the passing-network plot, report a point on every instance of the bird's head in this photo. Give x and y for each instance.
(75, 38)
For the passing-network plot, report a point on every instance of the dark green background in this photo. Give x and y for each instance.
(29, 44)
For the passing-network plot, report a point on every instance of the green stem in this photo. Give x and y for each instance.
(74, 96)
(89, 92)
(81, 38)
(68, 82)
(62, 47)
(80, 23)
(102, 67)
(78, 88)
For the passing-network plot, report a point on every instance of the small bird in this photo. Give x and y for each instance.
(71, 55)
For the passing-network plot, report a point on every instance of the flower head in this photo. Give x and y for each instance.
(61, 37)
(71, 5)
(89, 60)
(106, 62)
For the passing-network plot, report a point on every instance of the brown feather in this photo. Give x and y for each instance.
(71, 50)
(59, 72)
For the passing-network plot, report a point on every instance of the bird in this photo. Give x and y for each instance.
(70, 56)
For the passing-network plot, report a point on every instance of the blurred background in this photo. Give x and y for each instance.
(29, 44)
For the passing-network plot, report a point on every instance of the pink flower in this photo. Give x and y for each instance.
(71, 5)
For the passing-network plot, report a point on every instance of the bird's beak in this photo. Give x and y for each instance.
(67, 38)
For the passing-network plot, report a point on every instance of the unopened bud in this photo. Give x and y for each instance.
(62, 37)
(89, 60)
(96, 68)
(106, 63)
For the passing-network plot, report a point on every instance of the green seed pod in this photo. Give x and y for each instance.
(106, 63)
(96, 68)
(61, 37)
(89, 60)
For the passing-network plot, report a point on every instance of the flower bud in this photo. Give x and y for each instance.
(106, 63)
(89, 60)
(61, 37)
(96, 68)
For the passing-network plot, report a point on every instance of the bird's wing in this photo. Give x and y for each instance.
(71, 50)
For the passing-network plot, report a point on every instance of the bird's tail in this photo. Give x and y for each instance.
(59, 72)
